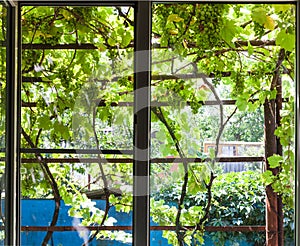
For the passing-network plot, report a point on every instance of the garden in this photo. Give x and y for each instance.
(201, 125)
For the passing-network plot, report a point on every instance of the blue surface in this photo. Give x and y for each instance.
(39, 213)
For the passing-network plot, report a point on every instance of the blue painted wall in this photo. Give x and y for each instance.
(39, 213)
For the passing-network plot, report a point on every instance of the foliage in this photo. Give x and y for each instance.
(238, 199)
(245, 126)
(283, 182)
(233, 50)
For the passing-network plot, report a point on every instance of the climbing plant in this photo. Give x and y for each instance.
(79, 92)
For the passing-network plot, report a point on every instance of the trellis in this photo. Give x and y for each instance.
(274, 226)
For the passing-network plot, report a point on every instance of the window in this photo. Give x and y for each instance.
(133, 102)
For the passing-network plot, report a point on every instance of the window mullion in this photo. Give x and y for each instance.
(141, 206)
(12, 170)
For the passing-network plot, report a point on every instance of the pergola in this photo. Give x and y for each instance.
(141, 159)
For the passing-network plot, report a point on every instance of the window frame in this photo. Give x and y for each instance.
(141, 224)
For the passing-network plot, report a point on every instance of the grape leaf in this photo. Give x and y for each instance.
(286, 40)
(269, 23)
(228, 32)
(259, 15)
(126, 39)
(275, 160)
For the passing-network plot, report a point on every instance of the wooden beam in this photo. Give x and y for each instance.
(90, 46)
(130, 160)
(250, 228)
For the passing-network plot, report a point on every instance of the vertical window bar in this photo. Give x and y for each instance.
(142, 46)
(297, 130)
(12, 188)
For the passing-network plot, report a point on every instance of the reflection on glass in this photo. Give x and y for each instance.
(77, 93)
(212, 84)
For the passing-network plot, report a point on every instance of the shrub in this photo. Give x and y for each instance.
(238, 199)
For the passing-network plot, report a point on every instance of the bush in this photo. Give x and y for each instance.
(238, 199)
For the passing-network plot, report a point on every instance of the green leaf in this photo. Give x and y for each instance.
(44, 122)
(111, 42)
(101, 47)
(268, 177)
(197, 208)
(275, 161)
(174, 18)
(104, 113)
(281, 7)
(193, 188)
(228, 32)
(83, 28)
(259, 15)
(211, 153)
(119, 117)
(163, 41)
(250, 49)
(66, 14)
(241, 104)
(126, 39)
(173, 31)
(286, 40)
(61, 130)
(164, 150)
(273, 94)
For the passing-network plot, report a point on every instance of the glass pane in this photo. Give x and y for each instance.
(221, 81)
(77, 68)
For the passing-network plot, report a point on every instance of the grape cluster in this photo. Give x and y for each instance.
(208, 25)
(197, 25)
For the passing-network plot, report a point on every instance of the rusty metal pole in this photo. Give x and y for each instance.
(278, 105)
(274, 206)
(272, 235)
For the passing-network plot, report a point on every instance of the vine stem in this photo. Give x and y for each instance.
(53, 184)
(220, 132)
(104, 179)
(159, 114)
